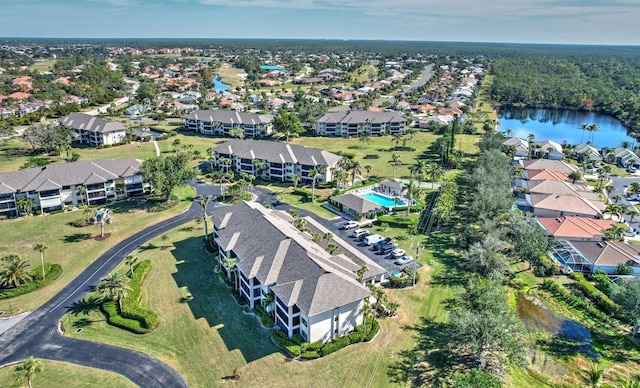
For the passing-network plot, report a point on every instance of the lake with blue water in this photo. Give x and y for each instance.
(560, 125)
(219, 85)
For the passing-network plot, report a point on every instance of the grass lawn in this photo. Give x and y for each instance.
(206, 338)
(229, 75)
(73, 248)
(43, 66)
(364, 74)
(57, 374)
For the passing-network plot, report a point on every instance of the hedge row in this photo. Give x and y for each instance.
(131, 316)
(396, 221)
(602, 282)
(574, 301)
(595, 295)
(310, 351)
(52, 271)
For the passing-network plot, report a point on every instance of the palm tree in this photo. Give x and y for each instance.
(625, 144)
(361, 272)
(593, 128)
(300, 224)
(332, 248)
(114, 286)
(412, 191)
(130, 260)
(508, 132)
(397, 138)
(103, 215)
(27, 369)
(176, 145)
(616, 198)
(80, 192)
(532, 139)
(41, 248)
(574, 176)
(327, 236)
(237, 132)
(395, 161)
(583, 127)
(419, 169)
(356, 169)
(631, 213)
(434, 171)
(367, 311)
(594, 375)
(15, 272)
(411, 132)
(296, 179)
(204, 201)
(226, 163)
(25, 204)
(364, 139)
(314, 173)
(368, 168)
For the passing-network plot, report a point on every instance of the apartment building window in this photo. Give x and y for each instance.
(304, 322)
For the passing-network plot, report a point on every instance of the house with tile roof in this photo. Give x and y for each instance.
(557, 205)
(575, 228)
(317, 295)
(546, 164)
(591, 256)
(94, 131)
(221, 122)
(55, 186)
(357, 122)
(280, 160)
(521, 146)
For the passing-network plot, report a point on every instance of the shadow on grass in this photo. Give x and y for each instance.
(441, 244)
(213, 301)
(430, 361)
(148, 247)
(86, 306)
(76, 237)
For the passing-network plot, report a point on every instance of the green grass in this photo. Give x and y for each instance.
(364, 74)
(43, 66)
(58, 374)
(73, 248)
(206, 338)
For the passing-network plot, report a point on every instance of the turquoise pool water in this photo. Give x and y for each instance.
(382, 200)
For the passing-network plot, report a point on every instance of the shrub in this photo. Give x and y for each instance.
(315, 345)
(371, 156)
(602, 282)
(576, 302)
(544, 266)
(110, 309)
(399, 221)
(310, 355)
(375, 327)
(348, 155)
(52, 271)
(595, 295)
(279, 337)
(335, 345)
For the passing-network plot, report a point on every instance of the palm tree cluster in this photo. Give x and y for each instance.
(382, 305)
(14, 272)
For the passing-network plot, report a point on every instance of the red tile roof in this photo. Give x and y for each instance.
(578, 228)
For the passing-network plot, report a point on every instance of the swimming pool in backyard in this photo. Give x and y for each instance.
(382, 200)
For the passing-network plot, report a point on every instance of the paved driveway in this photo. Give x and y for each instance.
(621, 184)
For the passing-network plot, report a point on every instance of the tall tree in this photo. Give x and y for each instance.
(167, 173)
(288, 124)
(295, 178)
(355, 169)
(204, 202)
(627, 295)
(103, 215)
(41, 248)
(314, 174)
(237, 133)
(486, 258)
(395, 161)
(25, 204)
(27, 369)
(131, 260)
(114, 286)
(484, 327)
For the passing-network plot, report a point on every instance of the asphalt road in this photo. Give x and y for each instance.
(621, 184)
(37, 335)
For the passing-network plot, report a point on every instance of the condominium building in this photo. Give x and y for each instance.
(355, 123)
(55, 186)
(221, 122)
(93, 130)
(277, 160)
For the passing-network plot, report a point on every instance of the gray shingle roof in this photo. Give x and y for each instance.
(356, 203)
(66, 174)
(277, 152)
(299, 271)
(361, 116)
(90, 123)
(228, 117)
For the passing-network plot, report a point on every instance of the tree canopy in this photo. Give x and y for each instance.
(168, 172)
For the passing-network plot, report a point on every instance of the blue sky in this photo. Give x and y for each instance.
(527, 21)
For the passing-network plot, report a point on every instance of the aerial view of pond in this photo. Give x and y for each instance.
(560, 125)
(219, 85)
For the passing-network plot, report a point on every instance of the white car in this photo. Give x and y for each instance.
(372, 239)
(397, 253)
(349, 225)
(404, 260)
(630, 232)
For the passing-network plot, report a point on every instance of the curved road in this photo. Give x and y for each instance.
(37, 334)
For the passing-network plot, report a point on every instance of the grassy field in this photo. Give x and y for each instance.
(206, 338)
(43, 66)
(57, 374)
(364, 74)
(73, 248)
(229, 75)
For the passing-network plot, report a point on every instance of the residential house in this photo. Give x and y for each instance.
(221, 122)
(521, 146)
(575, 228)
(551, 186)
(586, 153)
(622, 157)
(280, 160)
(546, 164)
(549, 149)
(591, 256)
(392, 188)
(317, 295)
(557, 205)
(55, 186)
(356, 123)
(93, 130)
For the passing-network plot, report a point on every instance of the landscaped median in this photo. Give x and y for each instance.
(130, 316)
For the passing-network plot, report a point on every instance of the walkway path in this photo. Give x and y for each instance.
(155, 144)
(37, 335)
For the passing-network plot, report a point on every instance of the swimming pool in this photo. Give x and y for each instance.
(382, 200)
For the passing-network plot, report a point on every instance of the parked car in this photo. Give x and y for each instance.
(386, 249)
(349, 225)
(381, 243)
(631, 169)
(397, 253)
(404, 260)
(372, 239)
(364, 235)
(631, 232)
(359, 232)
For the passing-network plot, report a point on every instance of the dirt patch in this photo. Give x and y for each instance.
(102, 238)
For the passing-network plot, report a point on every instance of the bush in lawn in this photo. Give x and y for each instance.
(110, 309)
(375, 327)
(602, 282)
(544, 266)
(310, 355)
(399, 221)
(52, 271)
(335, 345)
(314, 345)
(280, 338)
